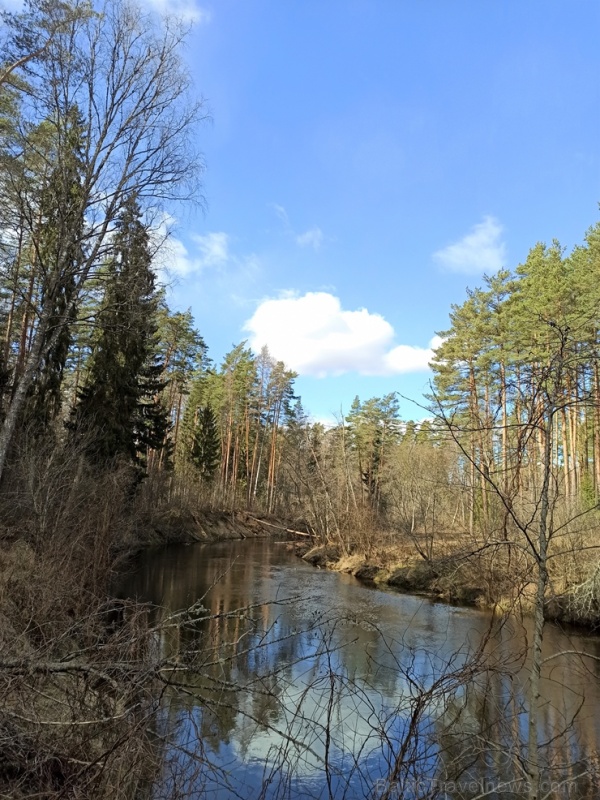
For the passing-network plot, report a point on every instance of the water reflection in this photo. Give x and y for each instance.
(311, 685)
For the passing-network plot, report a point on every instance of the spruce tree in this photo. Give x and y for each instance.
(119, 409)
(206, 443)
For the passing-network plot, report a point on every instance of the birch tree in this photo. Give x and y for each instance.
(124, 75)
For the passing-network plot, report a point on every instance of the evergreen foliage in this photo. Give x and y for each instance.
(119, 408)
(94, 107)
(82, 323)
(373, 428)
(206, 445)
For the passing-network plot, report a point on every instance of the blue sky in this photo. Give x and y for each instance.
(367, 160)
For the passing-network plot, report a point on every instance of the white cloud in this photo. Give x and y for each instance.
(310, 238)
(186, 10)
(480, 250)
(214, 248)
(174, 259)
(313, 237)
(283, 215)
(405, 358)
(314, 335)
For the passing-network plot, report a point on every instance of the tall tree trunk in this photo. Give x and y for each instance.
(25, 335)
(31, 366)
(565, 452)
(13, 297)
(533, 763)
(504, 461)
(596, 396)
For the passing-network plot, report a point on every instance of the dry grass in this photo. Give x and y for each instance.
(496, 570)
(76, 683)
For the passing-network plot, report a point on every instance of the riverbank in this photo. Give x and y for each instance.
(457, 572)
(458, 579)
(406, 574)
(75, 656)
(175, 527)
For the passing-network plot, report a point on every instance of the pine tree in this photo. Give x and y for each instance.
(183, 354)
(373, 427)
(238, 377)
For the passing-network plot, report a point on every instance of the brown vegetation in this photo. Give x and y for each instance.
(80, 677)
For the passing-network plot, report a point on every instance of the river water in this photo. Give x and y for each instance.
(308, 684)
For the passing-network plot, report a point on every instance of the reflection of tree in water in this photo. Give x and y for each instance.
(483, 731)
(311, 713)
(285, 695)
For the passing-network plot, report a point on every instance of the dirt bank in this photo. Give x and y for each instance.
(211, 526)
(452, 580)
(414, 576)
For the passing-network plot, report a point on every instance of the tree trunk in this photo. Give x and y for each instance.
(533, 763)
(20, 395)
(597, 430)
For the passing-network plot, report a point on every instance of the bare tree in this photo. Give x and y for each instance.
(120, 75)
(531, 525)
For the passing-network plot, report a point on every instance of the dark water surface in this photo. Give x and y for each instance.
(313, 686)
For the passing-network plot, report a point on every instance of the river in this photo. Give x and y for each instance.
(309, 684)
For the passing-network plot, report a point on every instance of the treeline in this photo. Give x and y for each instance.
(521, 349)
(96, 119)
(514, 402)
(515, 397)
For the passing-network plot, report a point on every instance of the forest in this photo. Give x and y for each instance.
(117, 428)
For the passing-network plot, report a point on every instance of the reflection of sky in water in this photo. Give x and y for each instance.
(351, 663)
